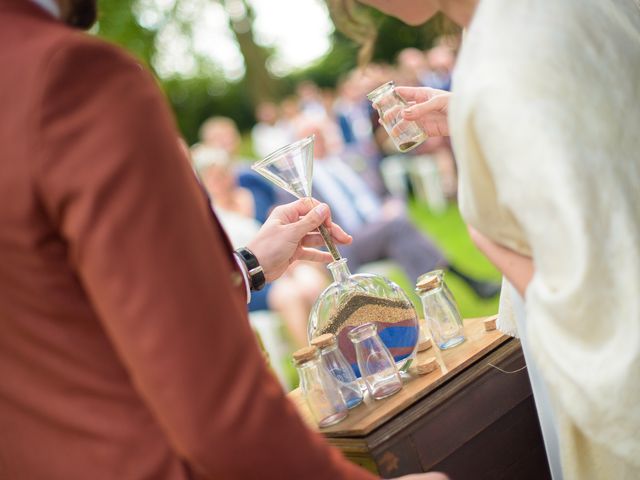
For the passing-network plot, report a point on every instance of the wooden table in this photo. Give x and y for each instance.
(471, 418)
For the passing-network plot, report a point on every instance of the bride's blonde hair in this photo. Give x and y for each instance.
(355, 23)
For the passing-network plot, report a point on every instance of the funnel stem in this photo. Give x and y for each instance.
(326, 236)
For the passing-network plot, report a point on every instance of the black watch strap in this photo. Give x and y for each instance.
(256, 275)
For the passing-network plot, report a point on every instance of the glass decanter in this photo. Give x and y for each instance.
(353, 300)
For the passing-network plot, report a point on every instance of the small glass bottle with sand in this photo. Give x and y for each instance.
(337, 365)
(440, 310)
(406, 135)
(319, 388)
(376, 364)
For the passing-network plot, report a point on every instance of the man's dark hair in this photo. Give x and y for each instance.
(83, 14)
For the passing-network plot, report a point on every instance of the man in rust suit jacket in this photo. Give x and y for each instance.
(125, 351)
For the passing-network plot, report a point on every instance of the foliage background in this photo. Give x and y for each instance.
(206, 92)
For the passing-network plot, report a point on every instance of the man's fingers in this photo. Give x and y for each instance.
(314, 239)
(291, 212)
(313, 255)
(312, 220)
(339, 235)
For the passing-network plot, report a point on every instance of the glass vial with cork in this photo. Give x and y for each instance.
(376, 364)
(335, 363)
(440, 310)
(319, 388)
(406, 135)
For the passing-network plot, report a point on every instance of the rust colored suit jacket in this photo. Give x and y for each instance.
(125, 350)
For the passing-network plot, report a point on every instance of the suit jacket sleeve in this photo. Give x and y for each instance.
(153, 263)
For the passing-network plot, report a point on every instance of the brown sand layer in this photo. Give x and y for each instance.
(359, 309)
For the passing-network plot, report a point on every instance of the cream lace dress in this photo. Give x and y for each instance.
(545, 123)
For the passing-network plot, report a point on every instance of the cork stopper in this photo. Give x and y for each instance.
(427, 282)
(304, 354)
(490, 324)
(426, 366)
(324, 340)
(424, 344)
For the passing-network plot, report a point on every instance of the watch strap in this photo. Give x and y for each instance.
(257, 279)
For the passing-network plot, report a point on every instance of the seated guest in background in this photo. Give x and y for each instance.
(440, 60)
(293, 294)
(269, 133)
(222, 133)
(380, 228)
(353, 113)
(412, 67)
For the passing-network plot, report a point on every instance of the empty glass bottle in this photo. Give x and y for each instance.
(376, 364)
(406, 135)
(440, 310)
(337, 365)
(352, 300)
(319, 388)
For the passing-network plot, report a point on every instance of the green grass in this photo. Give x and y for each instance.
(449, 232)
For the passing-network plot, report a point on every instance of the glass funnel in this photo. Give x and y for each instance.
(291, 168)
(353, 300)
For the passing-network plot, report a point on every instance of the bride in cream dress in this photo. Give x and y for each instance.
(544, 121)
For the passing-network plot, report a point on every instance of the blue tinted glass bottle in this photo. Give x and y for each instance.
(319, 389)
(337, 365)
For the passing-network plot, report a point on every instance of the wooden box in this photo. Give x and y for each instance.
(473, 418)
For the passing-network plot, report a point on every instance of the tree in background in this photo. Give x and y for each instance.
(140, 26)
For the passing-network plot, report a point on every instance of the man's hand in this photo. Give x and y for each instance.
(430, 109)
(289, 232)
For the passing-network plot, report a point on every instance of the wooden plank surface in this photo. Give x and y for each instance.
(371, 413)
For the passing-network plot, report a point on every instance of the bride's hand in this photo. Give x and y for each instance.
(430, 109)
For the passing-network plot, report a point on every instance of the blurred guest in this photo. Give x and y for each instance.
(222, 133)
(353, 114)
(313, 106)
(310, 100)
(269, 133)
(293, 294)
(412, 67)
(380, 228)
(440, 60)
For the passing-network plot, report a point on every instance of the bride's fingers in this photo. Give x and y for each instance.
(393, 115)
(415, 94)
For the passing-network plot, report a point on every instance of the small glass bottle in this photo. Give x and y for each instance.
(376, 364)
(440, 310)
(319, 388)
(337, 365)
(406, 135)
